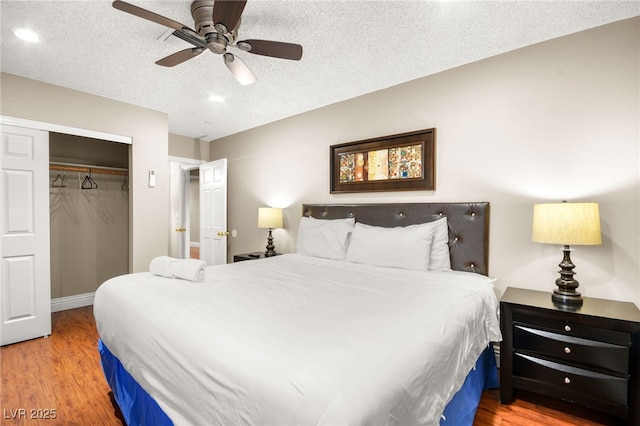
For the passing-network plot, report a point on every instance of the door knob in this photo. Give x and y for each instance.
(181, 229)
(223, 233)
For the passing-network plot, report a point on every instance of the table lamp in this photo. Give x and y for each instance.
(567, 224)
(269, 217)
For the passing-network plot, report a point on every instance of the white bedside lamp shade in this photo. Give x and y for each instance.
(269, 217)
(567, 224)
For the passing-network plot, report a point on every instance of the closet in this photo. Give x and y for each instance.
(89, 216)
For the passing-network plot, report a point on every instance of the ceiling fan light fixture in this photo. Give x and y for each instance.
(239, 69)
(246, 80)
(26, 35)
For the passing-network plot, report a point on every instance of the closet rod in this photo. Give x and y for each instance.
(85, 168)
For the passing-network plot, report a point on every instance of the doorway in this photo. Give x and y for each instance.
(89, 216)
(209, 212)
(185, 208)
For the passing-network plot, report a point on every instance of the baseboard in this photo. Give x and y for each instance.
(72, 302)
(194, 244)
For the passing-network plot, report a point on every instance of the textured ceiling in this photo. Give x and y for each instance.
(351, 47)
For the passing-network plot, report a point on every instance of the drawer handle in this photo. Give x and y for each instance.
(567, 380)
(567, 350)
(567, 328)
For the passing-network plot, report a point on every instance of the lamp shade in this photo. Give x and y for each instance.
(567, 224)
(269, 217)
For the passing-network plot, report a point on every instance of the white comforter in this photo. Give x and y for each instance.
(299, 340)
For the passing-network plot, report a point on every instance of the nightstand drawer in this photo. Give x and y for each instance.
(571, 328)
(572, 349)
(572, 381)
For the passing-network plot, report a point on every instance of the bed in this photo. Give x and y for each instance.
(312, 338)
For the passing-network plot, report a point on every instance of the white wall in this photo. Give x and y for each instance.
(185, 147)
(550, 122)
(33, 100)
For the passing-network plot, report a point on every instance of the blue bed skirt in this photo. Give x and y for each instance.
(461, 410)
(139, 409)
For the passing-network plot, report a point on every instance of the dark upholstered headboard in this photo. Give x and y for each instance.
(468, 225)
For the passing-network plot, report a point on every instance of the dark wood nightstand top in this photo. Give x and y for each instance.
(250, 256)
(611, 309)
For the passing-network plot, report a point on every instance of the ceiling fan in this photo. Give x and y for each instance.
(216, 29)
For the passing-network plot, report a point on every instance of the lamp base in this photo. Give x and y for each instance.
(271, 248)
(566, 294)
(561, 297)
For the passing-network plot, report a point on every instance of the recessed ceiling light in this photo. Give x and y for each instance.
(26, 35)
(216, 98)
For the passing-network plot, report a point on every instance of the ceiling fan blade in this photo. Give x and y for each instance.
(180, 57)
(150, 16)
(239, 69)
(275, 49)
(227, 13)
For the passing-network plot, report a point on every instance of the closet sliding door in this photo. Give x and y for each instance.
(25, 307)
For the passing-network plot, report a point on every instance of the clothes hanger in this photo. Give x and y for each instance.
(88, 182)
(60, 181)
(57, 182)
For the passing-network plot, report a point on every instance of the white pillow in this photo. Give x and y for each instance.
(405, 247)
(323, 237)
(439, 259)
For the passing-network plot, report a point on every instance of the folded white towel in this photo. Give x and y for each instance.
(160, 266)
(186, 269)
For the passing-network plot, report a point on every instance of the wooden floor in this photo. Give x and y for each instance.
(60, 376)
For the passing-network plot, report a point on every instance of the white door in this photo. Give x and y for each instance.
(25, 289)
(213, 212)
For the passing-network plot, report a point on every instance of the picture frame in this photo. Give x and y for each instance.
(401, 162)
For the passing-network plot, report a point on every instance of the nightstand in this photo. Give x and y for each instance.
(249, 256)
(587, 356)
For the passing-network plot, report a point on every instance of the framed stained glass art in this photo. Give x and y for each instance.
(402, 162)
